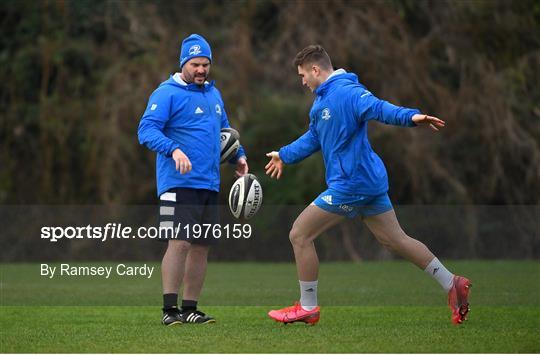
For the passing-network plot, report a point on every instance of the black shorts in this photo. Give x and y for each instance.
(185, 213)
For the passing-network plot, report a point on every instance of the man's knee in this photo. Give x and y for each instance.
(391, 241)
(388, 244)
(199, 249)
(178, 246)
(298, 237)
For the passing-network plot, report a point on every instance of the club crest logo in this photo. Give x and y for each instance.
(218, 109)
(194, 50)
(326, 114)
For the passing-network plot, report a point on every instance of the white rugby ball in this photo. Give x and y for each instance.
(245, 197)
(230, 143)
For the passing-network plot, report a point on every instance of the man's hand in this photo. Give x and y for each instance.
(183, 165)
(241, 167)
(274, 167)
(433, 122)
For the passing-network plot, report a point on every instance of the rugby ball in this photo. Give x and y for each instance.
(230, 143)
(245, 197)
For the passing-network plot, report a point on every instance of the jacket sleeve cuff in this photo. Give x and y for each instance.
(172, 149)
(240, 154)
(410, 122)
(283, 155)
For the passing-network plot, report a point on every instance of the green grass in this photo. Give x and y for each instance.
(369, 307)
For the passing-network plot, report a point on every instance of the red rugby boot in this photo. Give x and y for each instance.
(296, 314)
(458, 299)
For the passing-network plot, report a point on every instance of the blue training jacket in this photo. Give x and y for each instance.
(189, 117)
(338, 126)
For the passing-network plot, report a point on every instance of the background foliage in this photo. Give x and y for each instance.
(75, 77)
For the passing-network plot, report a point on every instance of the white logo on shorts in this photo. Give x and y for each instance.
(346, 208)
(327, 199)
(153, 107)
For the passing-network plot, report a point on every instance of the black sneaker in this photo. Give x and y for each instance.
(171, 316)
(197, 317)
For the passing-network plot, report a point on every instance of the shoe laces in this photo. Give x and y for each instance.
(202, 314)
(172, 311)
(293, 308)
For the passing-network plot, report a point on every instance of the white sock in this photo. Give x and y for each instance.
(437, 270)
(308, 294)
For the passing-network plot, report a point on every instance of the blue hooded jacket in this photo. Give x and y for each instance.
(338, 126)
(188, 117)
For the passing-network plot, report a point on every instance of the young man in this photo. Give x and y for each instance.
(356, 179)
(182, 124)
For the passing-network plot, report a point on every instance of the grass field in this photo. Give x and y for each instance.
(368, 307)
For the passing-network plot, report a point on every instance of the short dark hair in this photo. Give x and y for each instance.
(313, 54)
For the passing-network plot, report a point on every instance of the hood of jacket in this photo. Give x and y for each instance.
(176, 81)
(339, 78)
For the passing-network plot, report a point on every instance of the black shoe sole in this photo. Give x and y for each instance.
(210, 321)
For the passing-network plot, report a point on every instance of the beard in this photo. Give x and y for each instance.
(191, 79)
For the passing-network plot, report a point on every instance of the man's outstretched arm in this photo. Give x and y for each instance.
(300, 149)
(425, 120)
(369, 107)
(297, 151)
